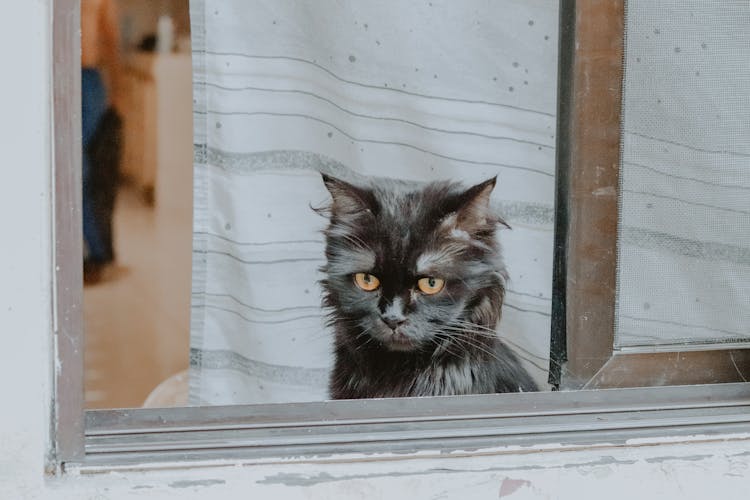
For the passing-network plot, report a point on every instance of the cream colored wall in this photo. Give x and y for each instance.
(718, 467)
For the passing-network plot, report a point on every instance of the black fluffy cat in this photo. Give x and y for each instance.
(414, 284)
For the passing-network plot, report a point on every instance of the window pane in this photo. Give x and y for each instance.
(684, 237)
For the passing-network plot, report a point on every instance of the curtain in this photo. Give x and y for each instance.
(421, 91)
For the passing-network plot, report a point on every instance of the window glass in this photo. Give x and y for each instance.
(684, 236)
(279, 235)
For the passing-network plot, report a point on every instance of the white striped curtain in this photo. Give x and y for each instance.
(413, 90)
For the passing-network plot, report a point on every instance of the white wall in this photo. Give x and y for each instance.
(25, 251)
(713, 469)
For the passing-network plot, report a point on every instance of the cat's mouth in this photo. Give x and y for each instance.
(397, 341)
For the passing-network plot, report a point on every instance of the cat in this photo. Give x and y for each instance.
(413, 284)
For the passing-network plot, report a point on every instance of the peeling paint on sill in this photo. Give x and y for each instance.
(691, 458)
(687, 439)
(299, 479)
(510, 486)
(200, 482)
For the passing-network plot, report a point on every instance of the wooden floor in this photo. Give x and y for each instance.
(136, 319)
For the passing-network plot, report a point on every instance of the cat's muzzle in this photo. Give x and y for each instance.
(396, 340)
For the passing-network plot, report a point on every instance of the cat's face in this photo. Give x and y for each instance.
(405, 264)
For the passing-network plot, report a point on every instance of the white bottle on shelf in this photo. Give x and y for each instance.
(164, 34)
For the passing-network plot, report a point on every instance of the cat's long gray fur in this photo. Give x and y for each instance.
(395, 340)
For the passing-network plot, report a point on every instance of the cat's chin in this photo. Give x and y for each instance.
(398, 347)
(399, 343)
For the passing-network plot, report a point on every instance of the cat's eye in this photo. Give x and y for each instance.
(430, 285)
(366, 282)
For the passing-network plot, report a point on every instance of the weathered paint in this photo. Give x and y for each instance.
(196, 483)
(701, 467)
(678, 470)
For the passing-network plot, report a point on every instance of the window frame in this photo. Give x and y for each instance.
(590, 108)
(67, 233)
(347, 430)
(431, 427)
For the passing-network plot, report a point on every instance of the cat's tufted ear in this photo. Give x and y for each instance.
(347, 198)
(473, 210)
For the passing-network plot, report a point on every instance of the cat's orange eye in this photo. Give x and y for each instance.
(366, 282)
(430, 285)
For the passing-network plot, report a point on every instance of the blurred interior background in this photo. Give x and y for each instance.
(137, 306)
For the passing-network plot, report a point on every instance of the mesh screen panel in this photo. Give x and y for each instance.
(684, 242)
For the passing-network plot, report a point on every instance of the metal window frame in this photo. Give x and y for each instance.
(433, 427)
(67, 420)
(91, 441)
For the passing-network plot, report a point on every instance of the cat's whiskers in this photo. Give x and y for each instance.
(462, 322)
(525, 358)
(346, 232)
(462, 332)
(486, 332)
(482, 332)
(364, 332)
(355, 240)
(463, 325)
(473, 344)
(445, 345)
(362, 346)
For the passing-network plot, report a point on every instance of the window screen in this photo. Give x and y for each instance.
(684, 231)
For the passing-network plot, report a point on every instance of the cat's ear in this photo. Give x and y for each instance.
(473, 210)
(347, 198)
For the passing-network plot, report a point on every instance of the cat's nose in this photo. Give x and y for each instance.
(393, 322)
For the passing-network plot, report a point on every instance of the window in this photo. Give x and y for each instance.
(584, 309)
(636, 219)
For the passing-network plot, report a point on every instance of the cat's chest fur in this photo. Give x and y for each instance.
(454, 378)
(368, 378)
